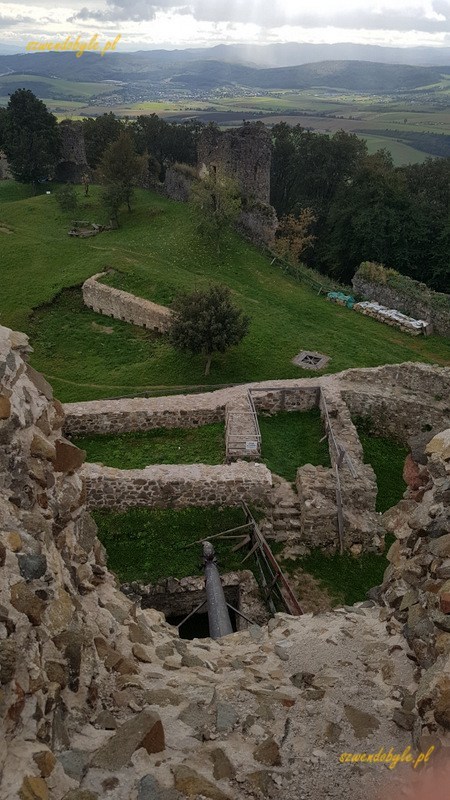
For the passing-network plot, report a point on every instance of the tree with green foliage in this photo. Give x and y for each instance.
(206, 322)
(66, 197)
(99, 133)
(30, 138)
(216, 199)
(119, 171)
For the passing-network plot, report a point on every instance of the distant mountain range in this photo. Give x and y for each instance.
(179, 70)
(291, 54)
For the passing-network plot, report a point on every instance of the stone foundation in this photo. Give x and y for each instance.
(115, 303)
(177, 486)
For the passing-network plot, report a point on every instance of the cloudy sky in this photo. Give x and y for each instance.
(188, 23)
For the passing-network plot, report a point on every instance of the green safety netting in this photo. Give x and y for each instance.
(346, 299)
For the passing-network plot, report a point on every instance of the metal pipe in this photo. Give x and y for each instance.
(218, 616)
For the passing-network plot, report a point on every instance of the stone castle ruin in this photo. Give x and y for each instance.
(99, 697)
(243, 154)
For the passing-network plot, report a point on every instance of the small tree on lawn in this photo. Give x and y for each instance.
(66, 197)
(207, 322)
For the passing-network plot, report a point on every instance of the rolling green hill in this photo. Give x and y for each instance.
(208, 74)
(156, 253)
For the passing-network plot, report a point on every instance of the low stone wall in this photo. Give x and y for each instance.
(398, 417)
(177, 486)
(421, 379)
(144, 414)
(127, 307)
(411, 305)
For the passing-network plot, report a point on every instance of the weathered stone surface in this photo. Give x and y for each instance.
(5, 407)
(150, 789)
(268, 753)
(42, 448)
(363, 724)
(191, 784)
(106, 720)
(143, 730)
(404, 719)
(45, 761)
(223, 767)
(440, 445)
(68, 457)
(440, 547)
(25, 600)
(8, 659)
(74, 763)
(32, 566)
(39, 381)
(226, 717)
(162, 697)
(33, 789)
(141, 653)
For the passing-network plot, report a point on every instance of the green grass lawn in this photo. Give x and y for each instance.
(157, 253)
(291, 439)
(204, 445)
(145, 545)
(387, 459)
(347, 579)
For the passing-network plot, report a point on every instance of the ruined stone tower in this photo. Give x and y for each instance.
(243, 154)
(73, 164)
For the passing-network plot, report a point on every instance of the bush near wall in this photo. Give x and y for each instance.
(375, 282)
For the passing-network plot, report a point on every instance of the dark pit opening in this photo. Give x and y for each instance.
(197, 626)
(176, 605)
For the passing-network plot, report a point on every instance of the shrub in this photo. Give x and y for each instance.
(66, 197)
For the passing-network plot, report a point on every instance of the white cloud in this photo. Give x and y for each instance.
(190, 22)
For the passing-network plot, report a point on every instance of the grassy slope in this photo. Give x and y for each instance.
(291, 439)
(204, 445)
(158, 251)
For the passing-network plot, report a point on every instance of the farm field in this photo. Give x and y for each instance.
(157, 253)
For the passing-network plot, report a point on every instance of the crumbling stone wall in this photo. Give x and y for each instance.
(178, 183)
(416, 586)
(410, 304)
(409, 377)
(122, 305)
(397, 417)
(258, 222)
(73, 162)
(243, 154)
(177, 486)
